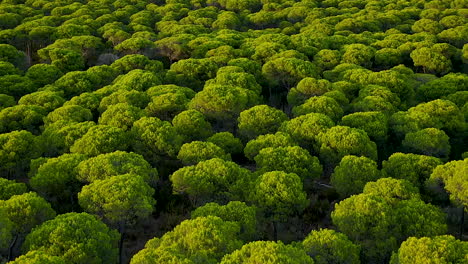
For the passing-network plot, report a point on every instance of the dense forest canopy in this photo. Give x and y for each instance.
(233, 131)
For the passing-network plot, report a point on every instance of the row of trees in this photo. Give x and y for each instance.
(227, 131)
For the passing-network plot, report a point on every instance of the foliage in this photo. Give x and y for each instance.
(329, 246)
(115, 163)
(201, 240)
(196, 151)
(352, 174)
(76, 237)
(121, 199)
(289, 159)
(440, 249)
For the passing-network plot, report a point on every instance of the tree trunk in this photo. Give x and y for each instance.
(462, 222)
(122, 237)
(275, 231)
(10, 248)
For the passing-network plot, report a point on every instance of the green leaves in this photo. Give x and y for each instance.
(279, 194)
(352, 174)
(439, 249)
(454, 177)
(77, 237)
(340, 141)
(197, 151)
(384, 215)
(329, 246)
(291, 160)
(204, 240)
(267, 252)
(101, 139)
(116, 163)
(259, 120)
(211, 180)
(121, 199)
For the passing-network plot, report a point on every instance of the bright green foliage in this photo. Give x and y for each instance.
(375, 124)
(121, 200)
(267, 252)
(77, 237)
(8, 188)
(358, 54)
(277, 140)
(428, 141)
(439, 249)
(306, 128)
(220, 102)
(411, 167)
(352, 174)
(329, 246)
(235, 76)
(380, 223)
(116, 163)
(136, 61)
(340, 141)
(38, 257)
(132, 97)
(47, 99)
(21, 117)
(166, 106)
(444, 86)
(135, 45)
(279, 194)
(69, 113)
(388, 57)
(259, 120)
(234, 211)
(86, 100)
(60, 136)
(26, 211)
(440, 114)
(155, 139)
(431, 60)
(426, 25)
(289, 159)
(17, 148)
(213, 179)
(227, 142)
(6, 229)
(170, 88)
(192, 125)
(392, 190)
(76, 82)
(320, 104)
(377, 91)
(327, 59)
(139, 80)
(453, 175)
(101, 139)
(121, 115)
(287, 72)
(42, 74)
(204, 240)
(306, 88)
(197, 151)
(56, 178)
(192, 72)
(227, 20)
